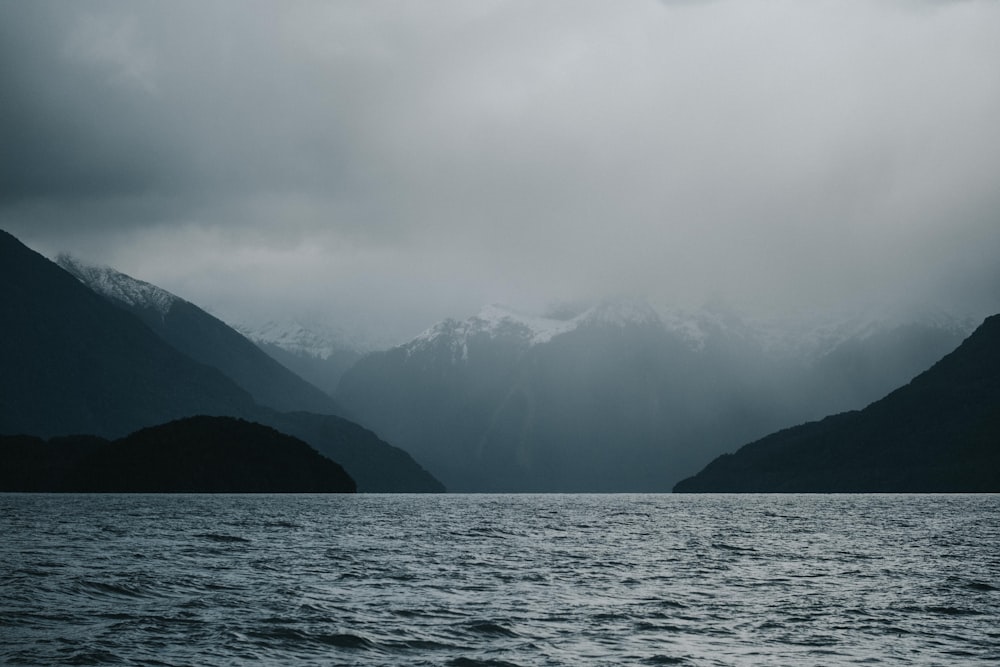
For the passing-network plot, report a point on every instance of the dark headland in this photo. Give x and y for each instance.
(192, 455)
(938, 434)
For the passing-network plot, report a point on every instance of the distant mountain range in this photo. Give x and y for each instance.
(315, 351)
(618, 396)
(615, 396)
(938, 433)
(112, 361)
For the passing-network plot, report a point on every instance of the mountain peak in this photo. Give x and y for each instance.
(497, 319)
(311, 335)
(499, 322)
(119, 286)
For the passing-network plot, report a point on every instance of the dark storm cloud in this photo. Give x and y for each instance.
(113, 99)
(56, 137)
(426, 157)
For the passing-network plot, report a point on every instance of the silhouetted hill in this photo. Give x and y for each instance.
(939, 433)
(73, 363)
(197, 454)
(29, 463)
(204, 338)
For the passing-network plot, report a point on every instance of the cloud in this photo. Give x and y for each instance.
(385, 157)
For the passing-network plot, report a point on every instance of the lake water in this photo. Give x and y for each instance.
(466, 580)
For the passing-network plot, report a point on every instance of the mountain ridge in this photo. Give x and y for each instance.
(617, 396)
(203, 337)
(58, 334)
(74, 362)
(940, 432)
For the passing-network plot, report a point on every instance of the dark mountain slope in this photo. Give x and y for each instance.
(73, 363)
(322, 372)
(375, 465)
(204, 338)
(939, 433)
(197, 454)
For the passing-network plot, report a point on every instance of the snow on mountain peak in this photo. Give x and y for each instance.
(291, 336)
(305, 336)
(497, 321)
(494, 321)
(792, 336)
(119, 286)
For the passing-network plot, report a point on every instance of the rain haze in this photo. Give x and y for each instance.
(393, 163)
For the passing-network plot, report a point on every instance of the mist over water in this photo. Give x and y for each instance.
(500, 580)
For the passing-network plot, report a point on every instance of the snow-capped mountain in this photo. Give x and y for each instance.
(502, 323)
(801, 336)
(308, 338)
(204, 338)
(494, 321)
(499, 322)
(621, 395)
(119, 287)
(72, 362)
(310, 346)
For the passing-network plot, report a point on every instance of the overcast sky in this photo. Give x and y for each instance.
(393, 163)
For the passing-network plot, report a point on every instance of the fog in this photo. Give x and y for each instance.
(392, 163)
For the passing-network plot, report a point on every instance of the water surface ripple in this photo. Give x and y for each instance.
(492, 580)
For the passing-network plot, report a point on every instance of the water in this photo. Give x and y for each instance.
(499, 580)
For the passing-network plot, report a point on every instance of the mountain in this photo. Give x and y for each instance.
(204, 338)
(938, 433)
(316, 351)
(192, 455)
(618, 396)
(74, 363)
(375, 465)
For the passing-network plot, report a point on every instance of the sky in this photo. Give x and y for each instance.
(387, 164)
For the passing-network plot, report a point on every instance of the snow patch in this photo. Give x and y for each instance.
(119, 286)
(304, 336)
(800, 335)
(498, 321)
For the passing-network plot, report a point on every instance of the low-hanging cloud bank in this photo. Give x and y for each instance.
(401, 162)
